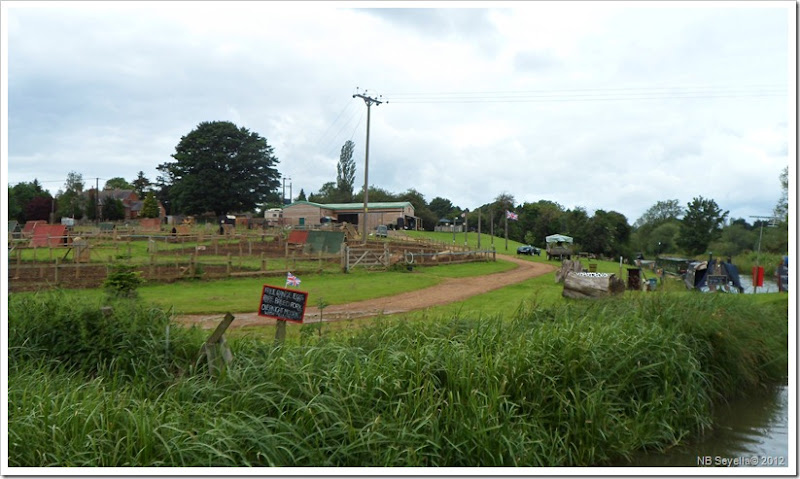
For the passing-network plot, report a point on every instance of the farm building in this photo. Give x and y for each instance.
(130, 201)
(399, 215)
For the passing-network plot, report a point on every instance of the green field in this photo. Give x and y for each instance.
(514, 377)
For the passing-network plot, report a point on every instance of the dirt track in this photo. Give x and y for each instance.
(448, 291)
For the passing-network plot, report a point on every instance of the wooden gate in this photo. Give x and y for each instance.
(366, 257)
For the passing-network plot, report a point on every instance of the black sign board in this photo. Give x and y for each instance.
(283, 304)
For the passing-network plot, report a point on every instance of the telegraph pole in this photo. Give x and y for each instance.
(369, 101)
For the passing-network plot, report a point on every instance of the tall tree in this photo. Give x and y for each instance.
(701, 224)
(442, 208)
(118, 183)
(141, 184)
(346, 172)
(607, 233)
(660, 212)
(39, 208)
(113, 209)
(71, 201)
(20, 195)
(91, 204)
(302, 195)
(222, 168)
(150, 206)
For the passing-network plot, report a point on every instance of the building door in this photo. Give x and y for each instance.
(302, 221)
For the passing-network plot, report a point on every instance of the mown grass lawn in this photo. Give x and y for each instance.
(241, 295)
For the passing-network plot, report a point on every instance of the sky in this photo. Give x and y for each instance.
(599, 105)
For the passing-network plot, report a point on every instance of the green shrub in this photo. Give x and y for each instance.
(122, 281)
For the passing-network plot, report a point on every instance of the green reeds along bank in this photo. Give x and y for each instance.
(583, 383)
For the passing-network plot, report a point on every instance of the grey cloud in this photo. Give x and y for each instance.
(437, 22)
(533, 61)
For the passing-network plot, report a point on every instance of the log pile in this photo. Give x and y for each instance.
(591, 285)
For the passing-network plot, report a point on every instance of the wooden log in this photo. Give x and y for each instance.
(591, 285)
(568, 266)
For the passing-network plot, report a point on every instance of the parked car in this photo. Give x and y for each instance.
(529, 250)
(382, 231)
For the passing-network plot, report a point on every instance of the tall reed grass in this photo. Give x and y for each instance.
(582, 383)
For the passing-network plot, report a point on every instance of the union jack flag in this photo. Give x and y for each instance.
(292, 280)
(511, 216)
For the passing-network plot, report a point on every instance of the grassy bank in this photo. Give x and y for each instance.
(574, 383)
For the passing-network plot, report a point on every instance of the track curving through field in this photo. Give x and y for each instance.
(450, 290)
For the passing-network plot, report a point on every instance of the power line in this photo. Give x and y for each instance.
(594, 89)
(335, 121)
(591, 94)
(332, 144)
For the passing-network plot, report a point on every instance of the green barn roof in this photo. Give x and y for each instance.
(355, 206)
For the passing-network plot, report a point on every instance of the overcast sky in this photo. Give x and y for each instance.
(610, 106)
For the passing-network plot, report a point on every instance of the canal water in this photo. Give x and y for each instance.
(752, 431)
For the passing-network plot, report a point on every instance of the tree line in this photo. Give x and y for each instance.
(221, 168)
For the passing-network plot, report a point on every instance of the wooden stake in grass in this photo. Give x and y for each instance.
(216, 348)
(280, 332)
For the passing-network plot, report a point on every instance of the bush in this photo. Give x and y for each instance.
(122, 281)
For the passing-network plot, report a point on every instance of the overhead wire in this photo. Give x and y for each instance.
(590, 94)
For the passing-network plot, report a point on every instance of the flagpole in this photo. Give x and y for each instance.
(506, 230)
(479, 228)
(491, 226)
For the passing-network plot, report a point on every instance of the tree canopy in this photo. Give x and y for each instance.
(346, 172)
(21, 195)
(701, 224)
(70, 201)
(118, 183)
(222, 168)
(141, 184)
(150, 206)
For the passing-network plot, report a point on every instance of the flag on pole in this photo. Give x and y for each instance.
(292, 280)
(511, 216)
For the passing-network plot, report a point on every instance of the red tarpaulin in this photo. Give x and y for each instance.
(298, 237)
(48, 235)
(31, 225)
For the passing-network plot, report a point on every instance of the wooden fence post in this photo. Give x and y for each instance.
(228, 267)
(280, 332)
(216, 348)
(57, 261)
(263, 263)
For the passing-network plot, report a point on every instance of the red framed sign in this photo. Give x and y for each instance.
(283, 304)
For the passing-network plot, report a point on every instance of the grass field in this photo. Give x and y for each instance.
(242, 294)
(576, 384)
(514, 377)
